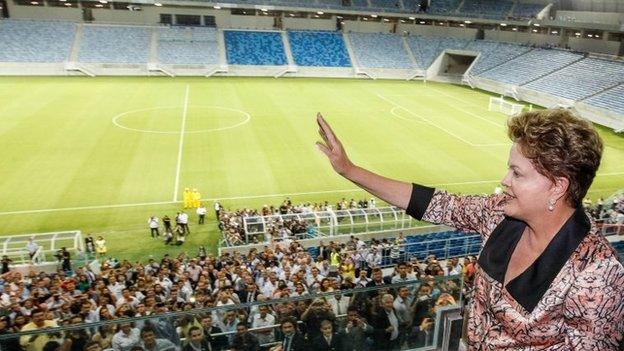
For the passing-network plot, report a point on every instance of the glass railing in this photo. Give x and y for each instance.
(410, 314)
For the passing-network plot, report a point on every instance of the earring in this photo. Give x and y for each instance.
(551, 205)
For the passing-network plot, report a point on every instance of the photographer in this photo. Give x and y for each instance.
(317, 312)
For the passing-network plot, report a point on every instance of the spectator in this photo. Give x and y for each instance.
(244, 340)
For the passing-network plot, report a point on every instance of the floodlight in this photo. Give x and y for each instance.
(503, 24)
(320, 13)
(412, 18)
(157, 4)
(216, 7)
(467, 22)
(374, 16)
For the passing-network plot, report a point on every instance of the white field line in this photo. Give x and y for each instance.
(497, 125)
(437, 126)
(62, 209)
(181, 145)
(393, 112)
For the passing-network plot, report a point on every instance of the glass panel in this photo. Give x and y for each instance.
(230, 317)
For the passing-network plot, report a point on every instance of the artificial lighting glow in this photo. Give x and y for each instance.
(467, 22)
(291, 14)
(589, 35)
(99, 5)
(412, 18)
(264, 10)
(536, 24)
(342, 23)
(422, 22)
(534, 30)
(316, 16)
(320, 13)
(217, 7)
(103, 2)
(365, 19)
(555, 32)
(402, 21)
(374, 16)
(597, 36)
(67, 4)
(462, 25)
(577, 33)
(386, 20)
(503, 24)
(339, 17)
(34, 3)
(514, 29)
(157, 4)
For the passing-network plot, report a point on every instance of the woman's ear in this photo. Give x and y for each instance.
(560, 187)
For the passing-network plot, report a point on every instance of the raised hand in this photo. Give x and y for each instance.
(332, 147)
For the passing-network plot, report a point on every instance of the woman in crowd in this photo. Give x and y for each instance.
(545, 277)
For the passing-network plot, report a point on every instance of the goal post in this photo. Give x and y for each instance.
(498, 104)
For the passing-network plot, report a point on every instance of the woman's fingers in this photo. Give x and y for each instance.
(326, 129)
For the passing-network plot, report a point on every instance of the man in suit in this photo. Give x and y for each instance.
(244, 340)
(386, 326)
(217, 343)
(328, 340)
(356, 331)
(293, 340)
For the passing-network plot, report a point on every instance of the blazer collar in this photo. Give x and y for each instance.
(530, 286)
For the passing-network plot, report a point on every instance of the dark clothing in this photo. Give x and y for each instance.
(381, 337)
(295, 343)
(203, 347)
(218, 343)
(245, 342)
(336, 343)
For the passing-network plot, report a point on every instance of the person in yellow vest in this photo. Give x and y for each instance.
(187, 198)
(196, 198)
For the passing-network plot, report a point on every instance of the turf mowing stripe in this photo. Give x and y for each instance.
(248, 197)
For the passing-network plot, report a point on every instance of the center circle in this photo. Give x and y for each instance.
(168, 116)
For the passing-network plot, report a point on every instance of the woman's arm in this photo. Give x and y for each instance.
(392, 191)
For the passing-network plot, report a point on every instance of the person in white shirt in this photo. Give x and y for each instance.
(126, 338)
(153, 224)
(260, 320)
(183, 221)
(201, 213)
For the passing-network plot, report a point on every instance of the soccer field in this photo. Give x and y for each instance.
(103, 154)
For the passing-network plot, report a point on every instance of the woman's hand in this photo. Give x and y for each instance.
(332, 147)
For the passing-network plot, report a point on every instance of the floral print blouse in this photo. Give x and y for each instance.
(570, 298)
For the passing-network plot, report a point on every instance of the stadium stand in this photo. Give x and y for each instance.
(531, 66)
(443, 7)
(492, 9)
(254, 48)
(387, 5)
(612, 99)
(373, 50)
(493, 54)
(359, 4)
(581, 79)
(188, 45)
(35, 41)
(427, 49)
(523, 11)
(319, 49)
(118, 44)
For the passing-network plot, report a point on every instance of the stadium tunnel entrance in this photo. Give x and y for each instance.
(451, 65)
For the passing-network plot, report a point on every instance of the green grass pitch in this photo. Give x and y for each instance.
(102, 154)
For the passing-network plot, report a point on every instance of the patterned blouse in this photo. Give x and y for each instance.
(570, 298)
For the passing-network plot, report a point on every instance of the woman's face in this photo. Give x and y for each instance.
(527, 192)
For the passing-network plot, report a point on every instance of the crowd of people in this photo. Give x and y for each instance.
(385, 318)
(232, 226)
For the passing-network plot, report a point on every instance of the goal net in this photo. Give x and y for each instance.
(498, 104)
